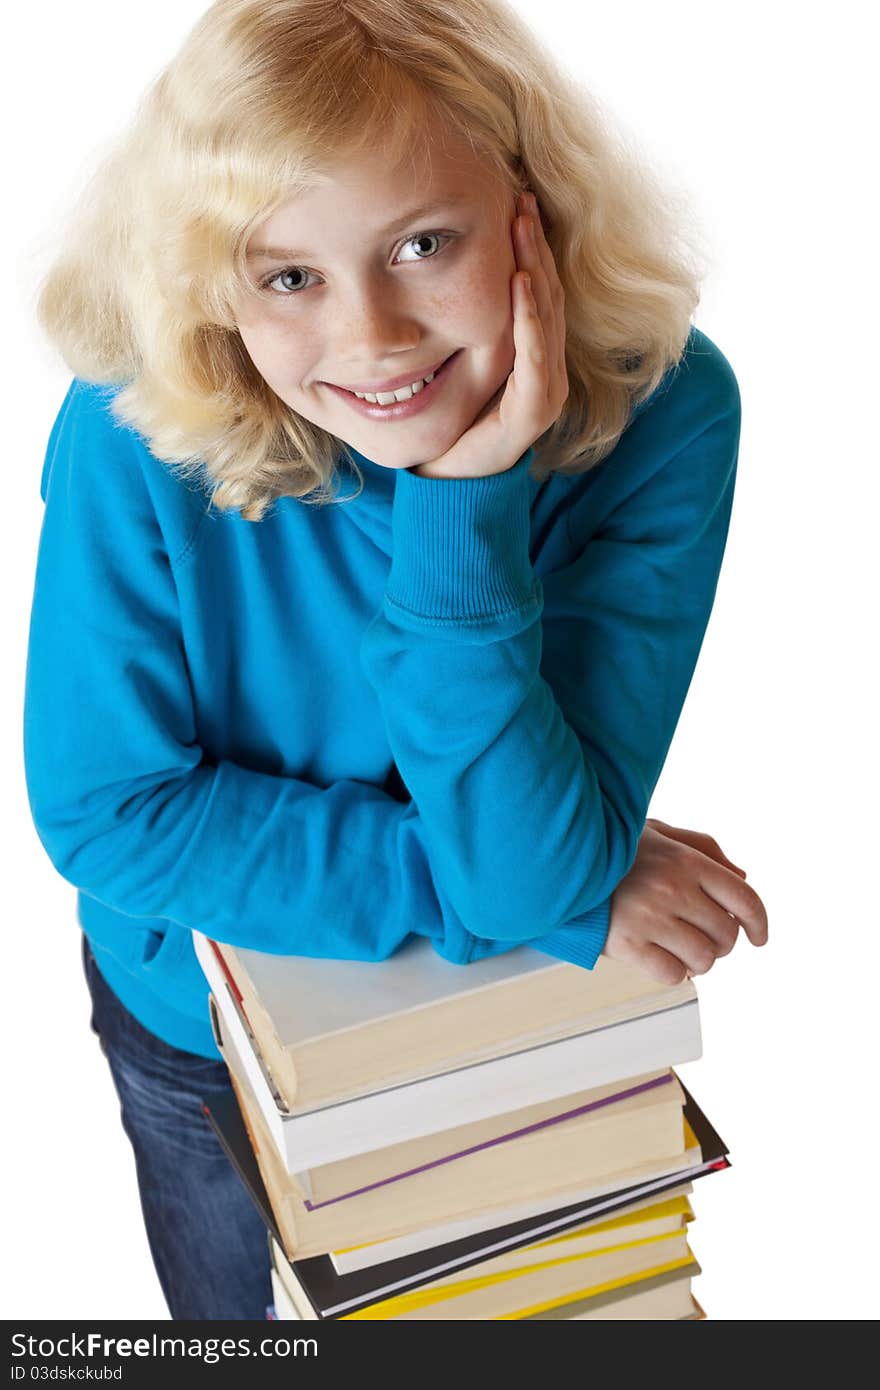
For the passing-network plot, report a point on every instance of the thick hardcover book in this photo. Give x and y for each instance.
(331, 1295)
(329, 1031)
(604, 1106)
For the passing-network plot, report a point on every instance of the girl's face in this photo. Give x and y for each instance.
(378, 276)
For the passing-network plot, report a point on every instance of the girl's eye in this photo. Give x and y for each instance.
(291, 272)
(426, 236)
(285, 275)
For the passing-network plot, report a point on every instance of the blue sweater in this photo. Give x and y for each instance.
(439, 709)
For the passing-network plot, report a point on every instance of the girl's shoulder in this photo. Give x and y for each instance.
(701, 386)
(699, 394)
(709, 371)
(102, 463)
(679, 448)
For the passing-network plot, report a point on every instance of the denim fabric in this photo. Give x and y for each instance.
(207, 1240)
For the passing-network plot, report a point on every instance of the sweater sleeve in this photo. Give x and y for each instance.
(531, 719)
(124, 799)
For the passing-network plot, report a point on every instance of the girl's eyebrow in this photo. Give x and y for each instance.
(282, 253)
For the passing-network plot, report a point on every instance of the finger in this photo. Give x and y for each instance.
(712, 922)
(528, 260)
(737, 898)
(660, 964)
(530, 361)
(694, 948)
(704, 843)
(534, 255)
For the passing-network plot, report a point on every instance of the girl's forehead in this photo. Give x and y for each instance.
(369, 185)
(428, 158)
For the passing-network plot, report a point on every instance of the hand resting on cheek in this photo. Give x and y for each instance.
(531, 399)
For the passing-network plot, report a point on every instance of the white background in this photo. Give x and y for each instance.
(762, 113)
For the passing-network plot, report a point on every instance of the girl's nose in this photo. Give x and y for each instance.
(379, 325)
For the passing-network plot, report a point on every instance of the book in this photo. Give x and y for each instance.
(617, 1132)
(449, 1247)
(543, 1071)
(330, 1030)
(660, 1296)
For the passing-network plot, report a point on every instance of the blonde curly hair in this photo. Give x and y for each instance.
(261, 93)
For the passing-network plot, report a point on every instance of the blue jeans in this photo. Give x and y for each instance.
(207, 1240)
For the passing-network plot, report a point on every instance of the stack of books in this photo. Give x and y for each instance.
(428, 1141)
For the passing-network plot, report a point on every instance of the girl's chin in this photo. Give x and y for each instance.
(396, 465)
(411, 446)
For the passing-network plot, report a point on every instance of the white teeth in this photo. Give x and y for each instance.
(404, 393)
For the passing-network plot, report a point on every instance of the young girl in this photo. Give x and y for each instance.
(383, 521)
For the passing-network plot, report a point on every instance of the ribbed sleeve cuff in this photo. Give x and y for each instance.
(461, 549)
(580, 941)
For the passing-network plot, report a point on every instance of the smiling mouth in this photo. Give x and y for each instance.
(409, 405)
(389, 390)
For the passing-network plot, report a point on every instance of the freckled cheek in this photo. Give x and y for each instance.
(276, 357)
(478, 308)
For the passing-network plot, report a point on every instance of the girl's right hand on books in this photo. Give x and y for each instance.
(681, 905)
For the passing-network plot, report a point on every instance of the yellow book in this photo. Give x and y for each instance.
(522, 1292)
